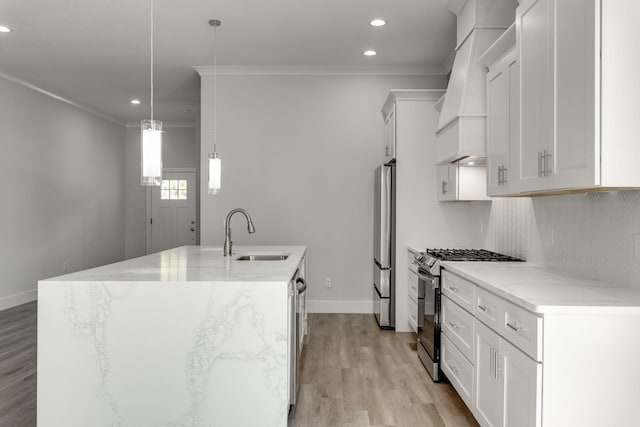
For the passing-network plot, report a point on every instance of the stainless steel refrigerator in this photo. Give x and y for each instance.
(384, 255)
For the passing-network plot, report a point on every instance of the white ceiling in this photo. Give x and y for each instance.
(96, 52)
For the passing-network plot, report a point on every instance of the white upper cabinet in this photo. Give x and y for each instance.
(578, 100)
(390, 133)
(458, 183)
(503, 114)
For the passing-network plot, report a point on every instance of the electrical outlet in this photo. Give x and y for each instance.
(638, 246)
(327, 282)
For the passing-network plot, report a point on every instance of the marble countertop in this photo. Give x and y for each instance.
(195, 264)
(541, 290)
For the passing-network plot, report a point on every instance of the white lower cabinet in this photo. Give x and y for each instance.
(458, 370)
(522, 378)
(567, 366)
(490, 351)
(507, 383)
(487, 406)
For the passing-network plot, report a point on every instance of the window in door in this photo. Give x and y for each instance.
(173, 189)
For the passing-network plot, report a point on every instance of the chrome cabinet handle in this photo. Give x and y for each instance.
(452, 289)
(492, 354)
(504, 175)
(514, 327)
(454, 369)
(547, 169)
(484, 308)
(540, 159)
(499, 365)
(444, 187)
(454, 325)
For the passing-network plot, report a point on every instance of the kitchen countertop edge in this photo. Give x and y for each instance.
(544, 291)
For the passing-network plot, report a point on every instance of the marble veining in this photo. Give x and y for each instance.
(92, 324)
(216, 328)
(178, 351)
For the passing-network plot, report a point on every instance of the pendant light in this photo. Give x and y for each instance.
(151, 142)
(215, 162)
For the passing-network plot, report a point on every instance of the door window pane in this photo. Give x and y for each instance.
(174, 189)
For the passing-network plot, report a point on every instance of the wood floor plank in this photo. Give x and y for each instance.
(354, 374)
(18, 335)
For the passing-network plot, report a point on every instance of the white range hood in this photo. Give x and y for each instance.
(461, 126)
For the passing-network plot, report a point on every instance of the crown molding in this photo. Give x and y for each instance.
(383, 70)
(84, 108)
(166, 124)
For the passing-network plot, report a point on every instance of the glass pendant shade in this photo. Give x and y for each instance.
(215, 173)
(151, 152)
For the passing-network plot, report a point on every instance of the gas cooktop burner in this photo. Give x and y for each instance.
(468, 255)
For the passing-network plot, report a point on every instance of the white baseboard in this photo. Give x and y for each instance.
(18, 299)
(333, 306)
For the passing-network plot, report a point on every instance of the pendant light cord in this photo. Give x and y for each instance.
(215, 87)
(151, 60)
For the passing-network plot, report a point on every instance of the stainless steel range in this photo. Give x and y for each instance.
(429, 306)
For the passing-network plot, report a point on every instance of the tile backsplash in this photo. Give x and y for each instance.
(590, 235)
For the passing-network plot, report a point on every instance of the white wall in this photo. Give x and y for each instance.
(298, 152)
(63, 191)
(179, 150)
(587, 235)
(421, 221)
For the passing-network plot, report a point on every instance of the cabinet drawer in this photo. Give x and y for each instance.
(459, 290)
(457, 325)
(458, 370)
(489, 308)
(413, 283)
(413, 314)
(523, 329)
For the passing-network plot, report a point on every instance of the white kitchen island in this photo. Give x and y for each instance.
(183, 337)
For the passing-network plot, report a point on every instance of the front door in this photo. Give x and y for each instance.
(173, 211)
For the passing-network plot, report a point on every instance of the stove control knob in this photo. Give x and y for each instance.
(420, 258)
(431, 262)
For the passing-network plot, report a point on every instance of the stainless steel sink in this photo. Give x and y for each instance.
(263, 257)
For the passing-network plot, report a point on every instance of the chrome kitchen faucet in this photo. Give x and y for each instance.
(227, 228)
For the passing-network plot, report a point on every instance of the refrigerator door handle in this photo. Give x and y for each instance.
(382, 215)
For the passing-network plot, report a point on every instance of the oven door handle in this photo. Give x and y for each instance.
(430, 279)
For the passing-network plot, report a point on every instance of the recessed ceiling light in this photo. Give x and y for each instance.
(369, 53)
(135, 101)
(377, 23)
(4, 29)
(471, 163)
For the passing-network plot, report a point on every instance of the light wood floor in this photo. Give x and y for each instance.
(353, 374)
(18, 366)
